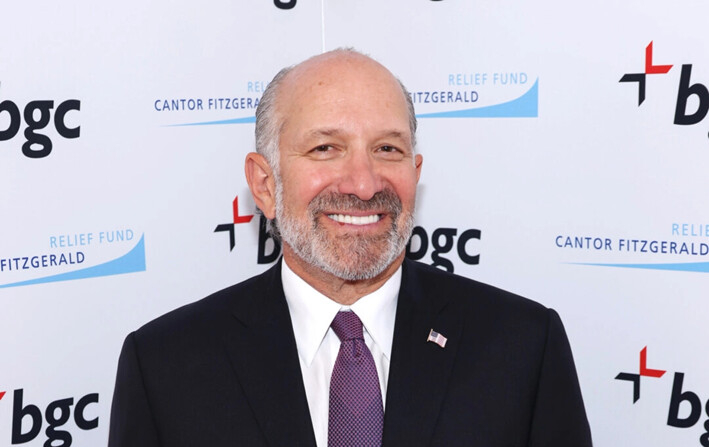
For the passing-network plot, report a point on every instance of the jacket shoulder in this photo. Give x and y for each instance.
(460, 291)
(202, 317)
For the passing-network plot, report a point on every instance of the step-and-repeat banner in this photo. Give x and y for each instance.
(565, 159)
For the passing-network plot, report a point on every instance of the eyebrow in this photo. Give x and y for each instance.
(335, 132)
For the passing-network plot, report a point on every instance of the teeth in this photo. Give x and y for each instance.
(354, 220)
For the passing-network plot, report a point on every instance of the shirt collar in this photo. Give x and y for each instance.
(312, 312)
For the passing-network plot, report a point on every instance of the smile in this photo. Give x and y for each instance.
(355, 220)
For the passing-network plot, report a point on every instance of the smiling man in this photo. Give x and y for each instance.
(344, 342)
(336, 168)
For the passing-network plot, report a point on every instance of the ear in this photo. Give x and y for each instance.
(418, 161)
(262, 184)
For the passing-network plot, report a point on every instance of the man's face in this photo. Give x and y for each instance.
(348, 175)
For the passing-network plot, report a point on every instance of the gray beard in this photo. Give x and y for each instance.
(350, 257)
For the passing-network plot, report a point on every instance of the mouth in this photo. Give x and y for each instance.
(355, 220)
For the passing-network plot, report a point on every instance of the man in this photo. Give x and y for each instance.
(435, 359)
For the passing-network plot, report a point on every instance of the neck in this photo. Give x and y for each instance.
(341, 291)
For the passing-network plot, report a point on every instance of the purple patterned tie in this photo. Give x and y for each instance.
(356, 411)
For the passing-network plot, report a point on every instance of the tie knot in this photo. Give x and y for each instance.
(347, 326)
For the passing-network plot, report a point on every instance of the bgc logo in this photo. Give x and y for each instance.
(28, 419)
(442, 242)
(268, 248)
(679, 398)
(231, 226)
(36, 116)
(685, 90)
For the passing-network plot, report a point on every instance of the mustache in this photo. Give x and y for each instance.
(386, 201)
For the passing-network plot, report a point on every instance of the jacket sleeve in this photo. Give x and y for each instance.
(559, 418)
(132, 423)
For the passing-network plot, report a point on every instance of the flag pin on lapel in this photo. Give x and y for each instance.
(437, 338)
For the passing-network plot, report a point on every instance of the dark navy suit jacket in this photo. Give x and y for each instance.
(224, 372)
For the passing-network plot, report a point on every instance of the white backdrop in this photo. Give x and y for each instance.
(531, 145)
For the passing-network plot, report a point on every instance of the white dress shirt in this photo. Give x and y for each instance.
(312, 313)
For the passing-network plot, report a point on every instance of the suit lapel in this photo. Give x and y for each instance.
(263, 353)
(419, 370)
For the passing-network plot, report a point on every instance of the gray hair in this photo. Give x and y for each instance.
(268, 128)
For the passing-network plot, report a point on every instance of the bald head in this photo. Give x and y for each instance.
(333, 76)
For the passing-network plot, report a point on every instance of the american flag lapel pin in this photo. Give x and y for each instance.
(437, 338)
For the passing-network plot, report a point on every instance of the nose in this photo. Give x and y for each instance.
(359, 176)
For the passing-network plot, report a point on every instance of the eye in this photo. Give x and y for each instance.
(323, 152)
(389, 152)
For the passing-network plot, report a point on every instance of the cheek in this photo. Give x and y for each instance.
(300, 189)
(405, 187)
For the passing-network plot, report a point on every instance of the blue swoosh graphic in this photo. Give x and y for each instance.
(526, 106)
(133, 261)
(701, 267)
(248, 119)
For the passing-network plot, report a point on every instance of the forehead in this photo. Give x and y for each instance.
(347, 92)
